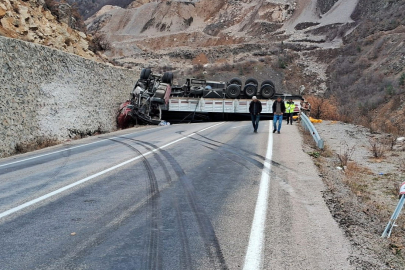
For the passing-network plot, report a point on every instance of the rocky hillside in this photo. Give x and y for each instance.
(88, 8)
(264, 38)
(368, 74)
(32, 21)
(350, 49)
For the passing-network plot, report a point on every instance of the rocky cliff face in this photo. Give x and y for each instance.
(49, 95)
(88, 8)
(30, 21)
(276, 34)
(352, 49)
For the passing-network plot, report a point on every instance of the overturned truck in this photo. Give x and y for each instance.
(154, 98)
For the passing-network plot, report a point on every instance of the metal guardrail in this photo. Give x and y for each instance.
(310, 127)
(391, 223)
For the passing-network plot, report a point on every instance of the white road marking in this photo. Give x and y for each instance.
(60, 190)
(63, 150)
(51, 153)
(254, 253)
(239, 126)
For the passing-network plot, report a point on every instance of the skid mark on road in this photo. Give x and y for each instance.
(206, 228)
(229, 150)
(185, 256)
(238, 151)
(154, 258)
(228, 157)
(84, 180)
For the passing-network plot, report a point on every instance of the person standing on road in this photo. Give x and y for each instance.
(289, 111)
(255, 108)
(278, 111)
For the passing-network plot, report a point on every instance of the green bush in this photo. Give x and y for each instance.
(402, 79)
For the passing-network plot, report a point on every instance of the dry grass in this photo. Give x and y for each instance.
(402, 164)
(324, 108)
(355, 178)
(307, 137)
(37, 144)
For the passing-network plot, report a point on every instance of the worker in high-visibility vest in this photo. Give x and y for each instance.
(289, 110)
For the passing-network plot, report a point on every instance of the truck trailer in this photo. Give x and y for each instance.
(154, 99)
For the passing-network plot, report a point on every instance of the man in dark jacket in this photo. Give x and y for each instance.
(278, 111)
(255, 108)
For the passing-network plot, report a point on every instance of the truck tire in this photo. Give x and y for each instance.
(267, 90)
(236, 81)
(250, 90)
(145, 73)
(252, 81)
(267, 82)
(233, 91)
(196, 91)
(167, 78)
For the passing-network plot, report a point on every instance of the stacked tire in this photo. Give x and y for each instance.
(251, 88)
(167, 78)
(145, 73)
(234, 88)
(267, 89)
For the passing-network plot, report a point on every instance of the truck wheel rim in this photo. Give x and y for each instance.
(250, 91)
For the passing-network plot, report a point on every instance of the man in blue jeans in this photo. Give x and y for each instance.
(255, 108)
(278, 111)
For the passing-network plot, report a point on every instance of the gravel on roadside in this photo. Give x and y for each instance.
(362, 194)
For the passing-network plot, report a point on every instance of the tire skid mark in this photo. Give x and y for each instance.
(64, 163)
(206, 228)
(97, 238)
(273, 163)
(244, 157)
(227, 157)
(185, 258)
(154, 258)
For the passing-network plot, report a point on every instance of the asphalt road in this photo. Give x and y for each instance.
(192, 196)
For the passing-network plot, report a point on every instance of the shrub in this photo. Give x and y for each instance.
(377, 148)
(345, 154)
(281, 63)
(402, 79)
(324, 108)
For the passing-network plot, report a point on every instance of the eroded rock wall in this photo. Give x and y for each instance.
(46, 93)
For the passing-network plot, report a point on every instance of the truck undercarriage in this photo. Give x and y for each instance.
(155, 96)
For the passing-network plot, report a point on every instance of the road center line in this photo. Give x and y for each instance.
(254, 253)
(60, 190)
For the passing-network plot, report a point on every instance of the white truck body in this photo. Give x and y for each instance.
(215, 105)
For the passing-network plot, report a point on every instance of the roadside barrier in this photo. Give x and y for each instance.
(306, 123)
(391, 224)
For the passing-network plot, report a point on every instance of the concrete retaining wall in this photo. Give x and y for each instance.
(46, 93)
